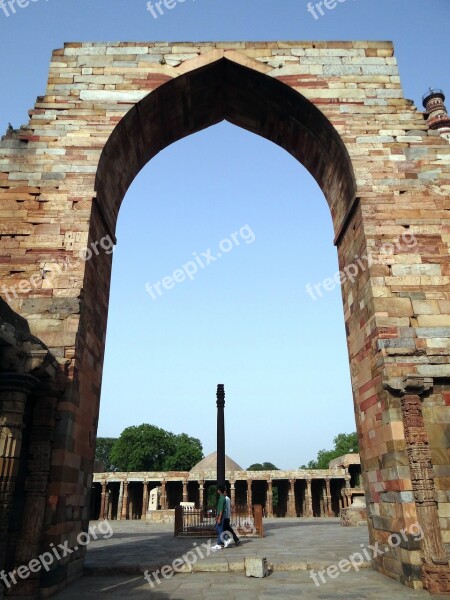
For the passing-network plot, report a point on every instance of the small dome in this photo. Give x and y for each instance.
(209, 465)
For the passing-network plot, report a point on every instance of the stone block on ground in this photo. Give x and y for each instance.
(256, 567)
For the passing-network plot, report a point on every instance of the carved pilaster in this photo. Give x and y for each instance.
(185, 490)
(249, 495)
(14, 391)
(124, 508)
(201, 493)
(232, 495)
(103, 501)
(269, 506)
(328, 497)
(291, 499)
(163, 495)
(119, 502)
(308, 499)
(144, 499)
(436, 569)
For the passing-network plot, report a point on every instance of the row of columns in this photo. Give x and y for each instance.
(326, 499)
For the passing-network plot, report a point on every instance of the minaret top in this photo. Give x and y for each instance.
(433, 102)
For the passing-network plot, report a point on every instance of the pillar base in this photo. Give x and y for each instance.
(436, 579)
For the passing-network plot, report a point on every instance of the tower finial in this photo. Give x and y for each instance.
(433, 101)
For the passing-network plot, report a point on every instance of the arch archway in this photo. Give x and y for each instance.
(65, 175)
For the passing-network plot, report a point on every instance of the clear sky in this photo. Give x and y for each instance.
(245, 320)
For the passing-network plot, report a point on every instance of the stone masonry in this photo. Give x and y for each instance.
(337, 107)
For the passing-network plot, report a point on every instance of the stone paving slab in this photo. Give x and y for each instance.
(293, 545)
(365, 585)
(288, 545)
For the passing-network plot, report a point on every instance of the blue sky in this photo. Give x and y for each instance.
(245, 320)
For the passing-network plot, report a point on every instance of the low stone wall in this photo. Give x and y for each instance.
(161, 516)
(353, 516)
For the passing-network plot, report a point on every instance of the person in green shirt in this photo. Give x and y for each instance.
(221, 504)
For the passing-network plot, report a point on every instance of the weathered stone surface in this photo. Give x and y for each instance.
(256, 567)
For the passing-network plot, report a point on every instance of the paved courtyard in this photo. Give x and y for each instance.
(298, 544)
(115, 566)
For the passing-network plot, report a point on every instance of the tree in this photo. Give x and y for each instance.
(148, 448)
(265, 466)
(103, 453)
(344, 443)
(187, 452)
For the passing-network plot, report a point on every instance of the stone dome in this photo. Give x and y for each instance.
(209, 464)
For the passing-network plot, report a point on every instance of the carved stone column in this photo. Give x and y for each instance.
(103, 500)
(347, 478)
(144, 500)
(44, 400)
(435, 570)
(119, 502)
(328, 497)
(249, 496)
(201, 493)
(308, 498)
(291, 499)
(269, 505)
(14, 391)
(124, 509)
(232, 495)
(163, 495)
(185, 491)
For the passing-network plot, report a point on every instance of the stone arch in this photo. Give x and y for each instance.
(63, 176)
(226, 90)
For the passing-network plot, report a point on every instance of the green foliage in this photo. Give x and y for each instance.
(265, 466)
(344, 443)
(188, 451)
(274, 496)
(211, 496)
(149, 448)
(103, 453)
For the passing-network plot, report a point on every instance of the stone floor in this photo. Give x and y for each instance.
(297, 544)
(365, 585)
(115, 566)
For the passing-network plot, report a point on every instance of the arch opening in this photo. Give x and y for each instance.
(225, 90)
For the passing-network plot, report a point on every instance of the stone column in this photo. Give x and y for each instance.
(308, 498)
(45, 400)
(232, 495)
(119, 502)
(269, 506)
(103, 502)
(291, 512)
(163, 495)
(436, 569)
(347, 478)
(328, 497)
(185, 491)
(201, 493)
(124, 509)
(249, 496)
(144, 500)
(14, 391)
